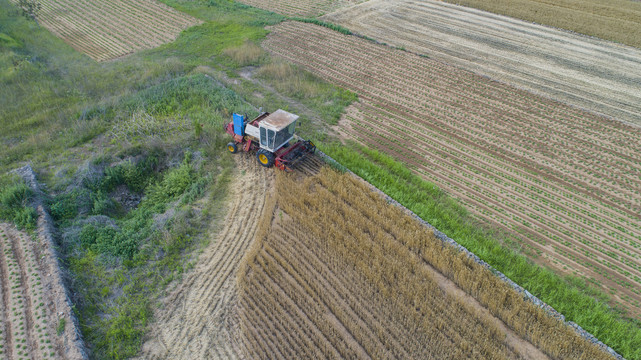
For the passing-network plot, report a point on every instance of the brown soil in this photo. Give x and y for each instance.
(198, 319)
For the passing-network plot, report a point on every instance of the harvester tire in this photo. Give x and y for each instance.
(265, 158)
(232, 147)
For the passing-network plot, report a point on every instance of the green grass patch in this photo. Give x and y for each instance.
(571, 297)
(15, 198)
(61, 326)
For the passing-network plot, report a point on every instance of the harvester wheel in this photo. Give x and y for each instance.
(232, 147)
(265, 158)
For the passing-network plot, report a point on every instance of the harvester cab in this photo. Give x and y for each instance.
(271, 135)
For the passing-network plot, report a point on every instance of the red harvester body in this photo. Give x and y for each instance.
(270, 135)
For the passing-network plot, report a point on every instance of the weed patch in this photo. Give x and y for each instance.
(15, 197)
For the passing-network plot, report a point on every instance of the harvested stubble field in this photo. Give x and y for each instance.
(616, 20)
(29, 322)
(585, 72)
(307, 8)
(563, 181)
(337, 272)
(108, 29)
(198, 319)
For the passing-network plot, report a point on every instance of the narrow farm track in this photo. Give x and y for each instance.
(110, 29)
(27, 331)
(585, 72)
(564, 181)
(337, 272)
(198, 319)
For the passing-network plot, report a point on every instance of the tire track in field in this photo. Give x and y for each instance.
(199, 319)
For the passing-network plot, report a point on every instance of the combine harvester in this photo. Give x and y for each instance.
(270, 134)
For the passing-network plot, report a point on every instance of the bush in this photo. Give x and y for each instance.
(14, 205)
(175, 182)
(26, 218)
(66, 206)
(97, 237)
(135, 176)
(103, 205)
(15, 195)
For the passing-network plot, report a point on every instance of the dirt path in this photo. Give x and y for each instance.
(198, 319)
(586, 72)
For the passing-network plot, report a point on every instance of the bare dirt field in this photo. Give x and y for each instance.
(29, 313)
(586, 72)
(108, 29)
(305, 8)
(198, 319)
(337, 272)
(564, 181)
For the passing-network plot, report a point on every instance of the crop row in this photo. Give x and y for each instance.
(341, 273)
(109, 29)
(558, 177)
(25, 331)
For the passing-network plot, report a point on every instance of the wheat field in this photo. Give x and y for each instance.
(336, 272)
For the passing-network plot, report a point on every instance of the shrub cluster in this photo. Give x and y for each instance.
(14, 205)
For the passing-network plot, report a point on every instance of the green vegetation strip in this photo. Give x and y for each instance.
(571, 296)
(340, 29)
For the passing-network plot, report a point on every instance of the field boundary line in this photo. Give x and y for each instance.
(53, 278)
(446, 239)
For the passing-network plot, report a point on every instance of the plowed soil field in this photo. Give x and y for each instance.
(338, 273)
(199, 320)
(585, 72)
(566, 182)
(108, 29)
(307, 8)
(28, 318)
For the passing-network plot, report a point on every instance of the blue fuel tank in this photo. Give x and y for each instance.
(239, 124)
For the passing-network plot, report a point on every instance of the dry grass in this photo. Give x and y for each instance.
(615, 20)
(339, 273)
(247, 54)
(290, 79)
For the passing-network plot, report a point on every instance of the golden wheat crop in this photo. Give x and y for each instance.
(337, 272)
